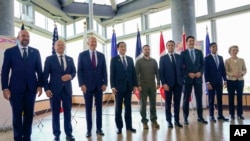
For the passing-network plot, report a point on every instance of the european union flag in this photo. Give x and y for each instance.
(207, 44)
(113, 45)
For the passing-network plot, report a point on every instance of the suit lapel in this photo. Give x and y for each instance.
(57, 63)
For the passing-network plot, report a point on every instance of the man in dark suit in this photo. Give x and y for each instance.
(123, 82)
(23, 64)
(60, 70)
(92, 78)
(171, 76)
(193, 67)
(215, 73)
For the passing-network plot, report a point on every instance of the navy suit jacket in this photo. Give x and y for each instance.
(120, 78)
(190, 67)
(213, 74)
(23, 74)
(167, 70)
(89, 76)
(53, 71)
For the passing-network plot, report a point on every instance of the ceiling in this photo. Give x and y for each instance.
(69, 11)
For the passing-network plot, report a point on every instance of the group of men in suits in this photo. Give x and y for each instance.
(22, 78)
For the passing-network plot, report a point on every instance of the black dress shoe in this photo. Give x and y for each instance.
(119, 131)
(70, 138)
(132, 130)
(170, 125)
(212, 119)
(241, 117)
(56, 139)
(178, 124)
(202, 120)
(88, 134)
(223, 118)
(99, 132)
(186, 121)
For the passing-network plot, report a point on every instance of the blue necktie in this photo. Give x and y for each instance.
(216, 61)
(192, 55)
(124, 63)
(25, 55)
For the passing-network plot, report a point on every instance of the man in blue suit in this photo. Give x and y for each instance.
(193, 67)
(215, 73)
(123, 81)
(59, 70)
(92, 78)
(23, 64)
(171, 76)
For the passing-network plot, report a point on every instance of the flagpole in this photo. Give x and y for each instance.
(85, 36)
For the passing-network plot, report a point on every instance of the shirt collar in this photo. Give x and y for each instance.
(20, 46)
(59, 55)
(122, 56)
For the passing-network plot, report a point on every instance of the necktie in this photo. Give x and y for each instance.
(93, 60)
(25, 55)
(216, 61)
(173, 60)
(62, 62)
(192, 55)
(124, 63)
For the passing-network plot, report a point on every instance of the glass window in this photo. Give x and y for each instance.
(200, 7)
(201, 33)
(228, 36)
(51, 25)
(17, 9)
(79, 26)
(70, 30)
(118, 30)
(60, 29)
(131, 26)
(221, 5)
(155, 21)
(40, 20)
(44, 45)
(73, 49)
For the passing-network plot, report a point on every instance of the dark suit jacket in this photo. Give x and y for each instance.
(119, 77)
(53, 70)
(190, 67)
(167, 70)
(23, 74)
(213, 74)
(89, 76)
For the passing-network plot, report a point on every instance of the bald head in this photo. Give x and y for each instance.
(59, 46)
(24, 38)
(92, 43)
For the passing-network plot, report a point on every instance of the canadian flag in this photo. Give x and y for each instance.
(162, 52)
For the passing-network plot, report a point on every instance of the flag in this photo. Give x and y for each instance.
(113, 45)
(207, 52)
(183, 41)
(162, 52)
(207, 44)
(55, 38)
(162, 45)
(138, 48)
